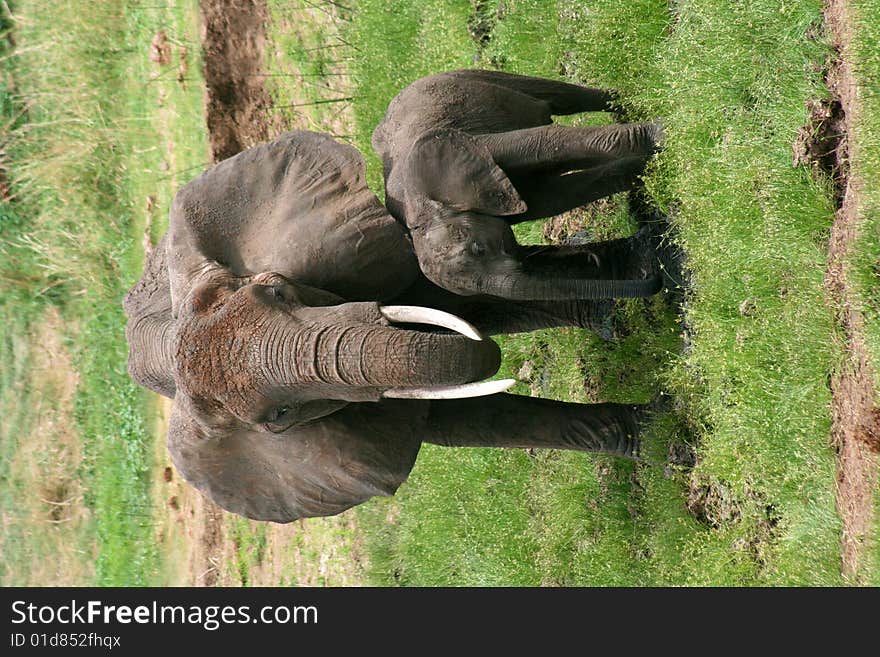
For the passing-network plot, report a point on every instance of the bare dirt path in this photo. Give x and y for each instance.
(237, 103)
(855, 418)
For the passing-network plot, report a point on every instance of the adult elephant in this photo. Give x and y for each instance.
(469, 153)
(271, 313)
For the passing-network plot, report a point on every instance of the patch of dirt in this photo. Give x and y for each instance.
(481, 26)
(237, 104)
(187, 525)
(711, 502)
(481, 22)
(210, 542)
(714, 504)
(855, 428)
(160, 49)
(312, 552)
(821, 144)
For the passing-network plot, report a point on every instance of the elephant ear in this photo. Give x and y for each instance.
(455, 169)
(318, 469)
(150, 327)
(299, 206)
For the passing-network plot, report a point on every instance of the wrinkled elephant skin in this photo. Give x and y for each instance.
(284, 313)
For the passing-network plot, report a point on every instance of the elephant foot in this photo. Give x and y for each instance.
(680, 455)
(657, 237)
(613, 429)
(657, 133)
(668, 261)
(626, 437)
(631, 446)
(645, 415)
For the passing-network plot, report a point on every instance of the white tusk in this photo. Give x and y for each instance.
(479, 389)
(420, 315)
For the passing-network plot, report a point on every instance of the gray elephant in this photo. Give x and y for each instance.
(468, 153)
(278, 312)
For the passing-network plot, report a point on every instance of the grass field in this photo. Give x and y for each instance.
(95, 153)
(102, 136)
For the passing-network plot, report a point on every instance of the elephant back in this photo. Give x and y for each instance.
(152, 292)
(473, 101)
(299, 206)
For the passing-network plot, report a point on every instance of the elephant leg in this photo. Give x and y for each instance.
(565, 148)
(548, 195)
(562, 97)
(505, 420)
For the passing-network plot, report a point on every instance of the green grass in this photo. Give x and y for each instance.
(307, 66)
(865, 165)
(754, 228)
(444, 505)
(751, 388)
(250, 546)
(92, 149)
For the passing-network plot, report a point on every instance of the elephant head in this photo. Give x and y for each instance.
(266, 372)
(458, 205)
(261, 313)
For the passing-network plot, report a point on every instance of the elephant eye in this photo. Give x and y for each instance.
(275, 418)
(277, 293)
(478, 249)
(280, 412)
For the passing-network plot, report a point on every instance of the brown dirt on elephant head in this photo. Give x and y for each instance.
(238, 109)
(203, 374)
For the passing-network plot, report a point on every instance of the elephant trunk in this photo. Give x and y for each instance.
(383, 357)
(535, 288)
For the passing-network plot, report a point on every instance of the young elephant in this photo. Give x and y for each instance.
(270, 312)
(468, 153)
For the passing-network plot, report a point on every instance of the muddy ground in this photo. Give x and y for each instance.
(855, 419)
(237, 103)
